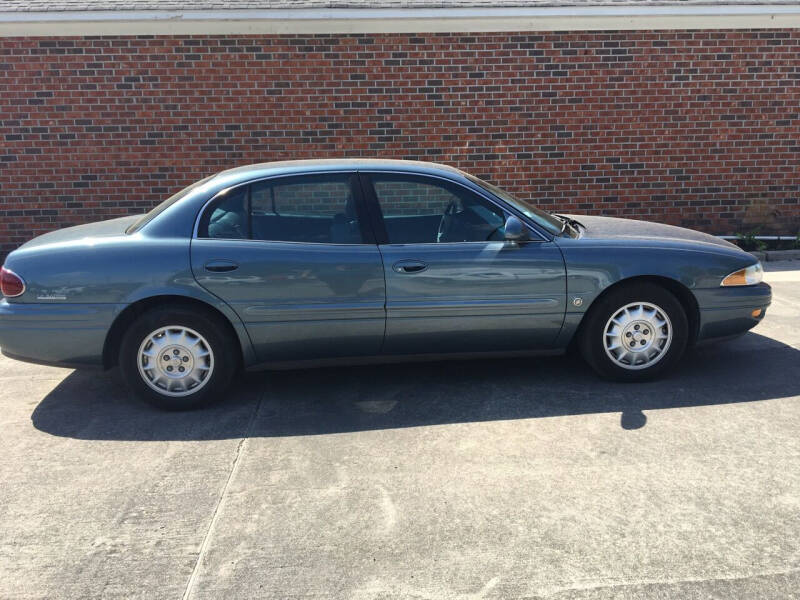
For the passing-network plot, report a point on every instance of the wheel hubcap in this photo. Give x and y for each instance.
(638, 335)
(175, 361)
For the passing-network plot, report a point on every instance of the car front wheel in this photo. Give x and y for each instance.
(634, 333)
(176, 358)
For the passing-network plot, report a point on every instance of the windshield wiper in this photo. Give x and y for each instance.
(571, 221)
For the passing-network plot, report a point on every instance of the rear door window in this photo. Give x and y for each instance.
(313, 208)
(320, 209)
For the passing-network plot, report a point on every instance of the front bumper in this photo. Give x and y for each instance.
(728, 311)
(68, 335)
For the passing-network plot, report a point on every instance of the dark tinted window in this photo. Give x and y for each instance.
(314, 208)
(542, 218)
(226, 218)
(425, 210)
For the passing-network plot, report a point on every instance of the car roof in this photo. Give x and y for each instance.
(268, 169)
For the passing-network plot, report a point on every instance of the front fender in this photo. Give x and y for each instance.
(593, 266)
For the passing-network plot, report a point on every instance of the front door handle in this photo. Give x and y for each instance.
(221, 266)
(409, 266)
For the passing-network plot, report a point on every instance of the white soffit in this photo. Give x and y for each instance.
(400, 20)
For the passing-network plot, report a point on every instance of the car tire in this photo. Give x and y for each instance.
(178, 358)
(636, 332)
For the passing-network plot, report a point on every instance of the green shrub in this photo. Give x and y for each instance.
(747, 241)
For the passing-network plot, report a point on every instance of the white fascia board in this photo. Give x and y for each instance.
(403, 20)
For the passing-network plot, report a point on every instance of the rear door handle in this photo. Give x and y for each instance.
(409, 266)
(221, 266)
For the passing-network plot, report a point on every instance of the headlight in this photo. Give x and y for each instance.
(749, 276)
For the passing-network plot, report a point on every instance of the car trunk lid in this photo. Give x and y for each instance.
(88, 232)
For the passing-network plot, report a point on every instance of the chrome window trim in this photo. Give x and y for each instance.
(250, 240)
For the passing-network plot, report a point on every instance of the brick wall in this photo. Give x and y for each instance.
(699, 128)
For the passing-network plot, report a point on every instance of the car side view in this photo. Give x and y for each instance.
(319, 262)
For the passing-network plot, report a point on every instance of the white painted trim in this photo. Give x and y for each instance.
(403, 20)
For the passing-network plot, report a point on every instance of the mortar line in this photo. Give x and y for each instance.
(187, 593)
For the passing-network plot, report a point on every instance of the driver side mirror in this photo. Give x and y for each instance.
(515, 230)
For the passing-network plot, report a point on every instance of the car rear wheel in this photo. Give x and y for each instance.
(176, 358)
(634, 333)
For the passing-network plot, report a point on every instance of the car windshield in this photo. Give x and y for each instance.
(149, 216)
(548, 222)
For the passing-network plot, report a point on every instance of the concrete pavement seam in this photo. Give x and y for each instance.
(187, 593)
(666, 582)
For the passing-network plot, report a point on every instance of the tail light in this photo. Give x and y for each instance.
(11, 284)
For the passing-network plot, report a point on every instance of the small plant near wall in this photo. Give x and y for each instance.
(747, 241)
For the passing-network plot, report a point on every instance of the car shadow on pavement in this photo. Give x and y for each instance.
(347, 399)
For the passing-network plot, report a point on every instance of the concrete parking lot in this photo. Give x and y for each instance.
(521, 478)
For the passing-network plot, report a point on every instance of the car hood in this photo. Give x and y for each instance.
(87, 232)
(612, 228)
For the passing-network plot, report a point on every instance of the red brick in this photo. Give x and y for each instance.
(695, 128)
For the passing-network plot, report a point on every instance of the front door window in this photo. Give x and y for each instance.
(418, 210)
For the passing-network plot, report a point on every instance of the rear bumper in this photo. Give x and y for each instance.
(728, 311)
(68, 335)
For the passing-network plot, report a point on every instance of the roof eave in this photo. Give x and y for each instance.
(402, 20)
